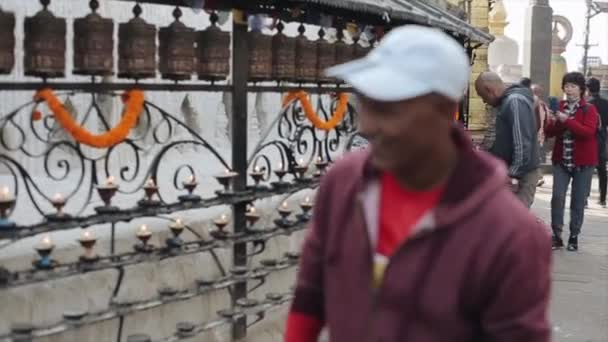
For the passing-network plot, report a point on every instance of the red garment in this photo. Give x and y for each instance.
(400, 210)
(584, 128)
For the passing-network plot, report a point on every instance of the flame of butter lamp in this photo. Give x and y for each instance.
(87, 241)
(225, 179)
(7, 204)
(252, 216)
(257, 175)
(150, 189)
(190, 184)
(306, 206)
(177, 228)
(44, 249)
(106, 191)
(144, 235)
(301, 168)
(220, 224)
(321, 165)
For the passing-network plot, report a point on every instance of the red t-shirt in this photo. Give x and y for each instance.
(400, 211)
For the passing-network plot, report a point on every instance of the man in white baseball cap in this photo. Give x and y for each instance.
(418, 238)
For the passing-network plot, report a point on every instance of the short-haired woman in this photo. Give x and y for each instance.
(574, 157)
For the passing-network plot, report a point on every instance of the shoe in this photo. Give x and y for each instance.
(540, 183)
(602, 204)
(573, 243)
(557, 242)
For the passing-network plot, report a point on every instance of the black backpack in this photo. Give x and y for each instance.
(600, 134)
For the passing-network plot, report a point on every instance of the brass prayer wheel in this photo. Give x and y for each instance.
(176, 50)
(93, 44)
(362, 51)
(306, 58)
(213, 52)
(136, 48)
(7, 42)
(260, 56)
(326, 57)
(344, 52)
(283, 56)
(44, 44)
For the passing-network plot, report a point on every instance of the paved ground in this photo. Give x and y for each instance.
(579, 309)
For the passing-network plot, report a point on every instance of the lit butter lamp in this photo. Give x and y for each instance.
(252, 217)
(58, 202)
(220, 224)
(258, 176)
(226, 180)
(7, 204)
(177, 228)
(284, 211)
(321, 165)
(190, 184)
(87, 240)
(306, 205)
(44, 248)
(143, 234)
(150, 190)
(301, 168)
(280, 172)
(106, 191)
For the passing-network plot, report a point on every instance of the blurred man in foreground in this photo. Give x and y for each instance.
(418, 238)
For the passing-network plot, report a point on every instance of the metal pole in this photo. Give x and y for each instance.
(586, 45)
(240, 71)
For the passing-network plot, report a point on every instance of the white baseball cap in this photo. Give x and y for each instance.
(410, 61)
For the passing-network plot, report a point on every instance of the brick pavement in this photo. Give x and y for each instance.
(579, 308)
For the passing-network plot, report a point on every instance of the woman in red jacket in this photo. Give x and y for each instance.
(574, 157)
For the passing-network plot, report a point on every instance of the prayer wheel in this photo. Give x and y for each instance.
(283, 56)
(44, 44)
(176, 50)
(213, 52)
(7, 42)
(93, 44)
(260, 56)
(306, 58)
(344, 52)
(326, 57)
(136, 48)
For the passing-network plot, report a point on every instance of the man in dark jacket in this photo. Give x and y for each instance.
(601, 104)
(516, 141)
(417, 237)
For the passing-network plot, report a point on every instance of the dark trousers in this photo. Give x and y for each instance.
(603, 177)
(581, 183)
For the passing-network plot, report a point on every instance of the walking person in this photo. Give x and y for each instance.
(574, 157)
(516, 139)
(541, 109)
(601, 104)
(417, 238)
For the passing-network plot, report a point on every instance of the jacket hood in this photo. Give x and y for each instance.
(477, 177)
(518, 89)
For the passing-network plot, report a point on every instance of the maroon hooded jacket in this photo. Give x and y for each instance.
(477, 268)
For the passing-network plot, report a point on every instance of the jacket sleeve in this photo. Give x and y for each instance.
(522, 136)
(306, 317)
(517, 302)
(588, 126)
(554, 129)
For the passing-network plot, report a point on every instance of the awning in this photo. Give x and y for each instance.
(412, 11)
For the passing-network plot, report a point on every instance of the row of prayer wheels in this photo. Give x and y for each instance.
(182, 51)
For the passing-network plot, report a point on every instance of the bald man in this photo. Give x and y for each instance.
(516, 141)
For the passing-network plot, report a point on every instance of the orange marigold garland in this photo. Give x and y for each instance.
(319, 123)
(134, 102)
